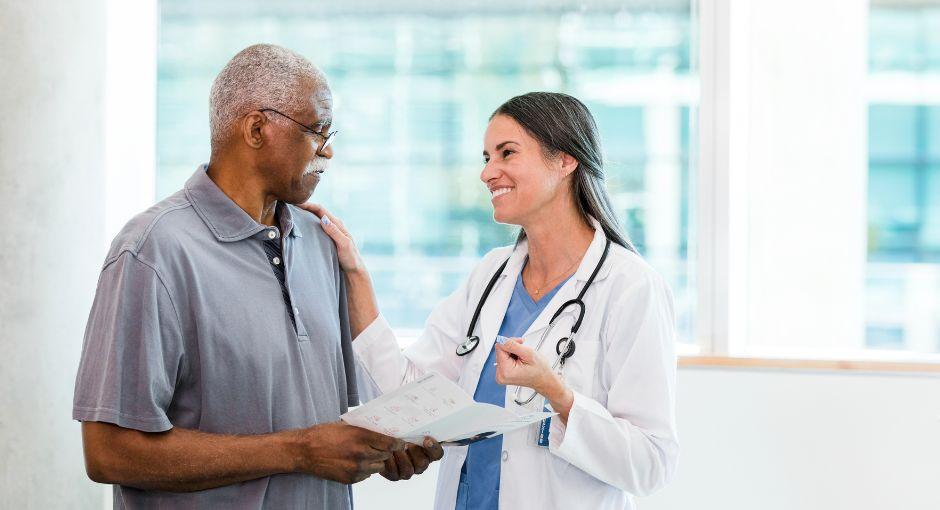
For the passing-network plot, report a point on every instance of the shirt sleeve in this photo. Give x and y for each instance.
(133, 349)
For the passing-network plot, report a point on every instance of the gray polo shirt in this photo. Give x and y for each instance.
(189, 328)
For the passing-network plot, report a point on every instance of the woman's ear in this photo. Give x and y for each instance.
(568, 164)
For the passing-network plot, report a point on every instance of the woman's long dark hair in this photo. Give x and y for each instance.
(562, 123)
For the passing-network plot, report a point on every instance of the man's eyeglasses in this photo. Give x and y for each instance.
(325, 140)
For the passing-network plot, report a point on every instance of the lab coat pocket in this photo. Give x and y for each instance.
(582, 368)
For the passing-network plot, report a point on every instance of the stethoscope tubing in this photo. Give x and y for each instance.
(471, 342)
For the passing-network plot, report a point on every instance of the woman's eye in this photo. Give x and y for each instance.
(486, 159)
(506, 153)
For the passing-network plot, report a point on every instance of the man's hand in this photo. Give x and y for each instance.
(413, 460)
(344, 453)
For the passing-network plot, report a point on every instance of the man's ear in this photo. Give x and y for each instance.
(568, 164)
(251, 129)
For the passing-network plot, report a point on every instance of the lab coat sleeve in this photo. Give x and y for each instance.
(631, 442)
(380, 356)
(389, 367)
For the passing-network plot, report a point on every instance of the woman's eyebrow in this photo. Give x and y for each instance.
(500, 146)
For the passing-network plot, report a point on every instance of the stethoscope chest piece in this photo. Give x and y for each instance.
(568, 345)
(468, 345)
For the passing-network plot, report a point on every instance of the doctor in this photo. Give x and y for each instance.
(614, 435)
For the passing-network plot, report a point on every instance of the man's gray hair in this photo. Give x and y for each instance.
(259, 76)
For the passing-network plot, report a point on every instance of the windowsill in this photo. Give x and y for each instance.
(813, 365)
(883, 362)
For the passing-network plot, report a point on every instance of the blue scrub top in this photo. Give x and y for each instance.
(479, 476)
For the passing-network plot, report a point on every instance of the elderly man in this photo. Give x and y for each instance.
(217, 356)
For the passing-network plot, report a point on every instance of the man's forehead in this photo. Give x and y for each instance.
(320, 101)
(322, 94)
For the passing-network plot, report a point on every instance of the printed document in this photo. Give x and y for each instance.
(436, 407)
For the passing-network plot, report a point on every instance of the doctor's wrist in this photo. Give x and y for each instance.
(559, 395)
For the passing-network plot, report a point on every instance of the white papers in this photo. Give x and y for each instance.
(436, 407)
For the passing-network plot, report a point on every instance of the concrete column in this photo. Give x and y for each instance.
(52, 193)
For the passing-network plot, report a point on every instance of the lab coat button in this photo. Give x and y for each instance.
(505, 455)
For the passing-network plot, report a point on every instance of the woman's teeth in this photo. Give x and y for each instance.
(499, 191)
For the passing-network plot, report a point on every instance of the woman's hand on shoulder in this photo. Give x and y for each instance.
(349, 259)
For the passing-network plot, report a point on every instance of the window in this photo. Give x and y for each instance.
(802, 220)
(413, 92)
(903, 271)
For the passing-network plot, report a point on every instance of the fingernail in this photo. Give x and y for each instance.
(325, 220)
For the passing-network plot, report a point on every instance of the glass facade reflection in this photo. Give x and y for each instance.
(413, 92)
(903, 294)
(414, 87)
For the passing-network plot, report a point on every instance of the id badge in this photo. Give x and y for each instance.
(544, 427)
(538, 432)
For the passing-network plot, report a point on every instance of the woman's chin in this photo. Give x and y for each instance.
(500, 215)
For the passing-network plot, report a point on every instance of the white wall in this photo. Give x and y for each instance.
(780, 440)
(52, 197)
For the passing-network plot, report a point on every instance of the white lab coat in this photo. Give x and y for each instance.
(620, 439)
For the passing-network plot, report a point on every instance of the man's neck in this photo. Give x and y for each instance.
(244, 188)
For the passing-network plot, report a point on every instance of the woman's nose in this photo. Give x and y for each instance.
(490, 172)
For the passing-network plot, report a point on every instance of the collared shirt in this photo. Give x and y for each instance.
(192, 328)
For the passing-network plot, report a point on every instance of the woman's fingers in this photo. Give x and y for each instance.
(502, 354)
(325, 215)
(316, 209)
(339, 237)
(348, 255)
(514, 346)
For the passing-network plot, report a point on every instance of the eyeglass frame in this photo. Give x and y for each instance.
(327, 140)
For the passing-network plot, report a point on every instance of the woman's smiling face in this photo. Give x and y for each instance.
(521, 180)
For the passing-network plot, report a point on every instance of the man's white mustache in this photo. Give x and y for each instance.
(319, 166)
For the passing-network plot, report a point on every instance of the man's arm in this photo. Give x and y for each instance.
(183, 460)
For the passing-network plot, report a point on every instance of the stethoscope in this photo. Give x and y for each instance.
(565, 346)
